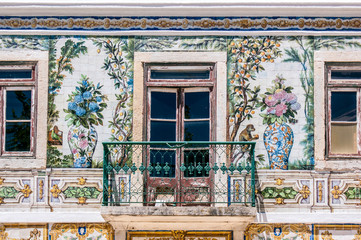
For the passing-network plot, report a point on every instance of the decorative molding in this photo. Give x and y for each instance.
(41, 189)
(26, 191)
(336, 192)
(55, 191)
(182, 23)
(305, 192)
(81, 181)
(279, 181)
(2, 180)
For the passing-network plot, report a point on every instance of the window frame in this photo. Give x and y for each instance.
(38, 62)
(180, 87)
(338, 60)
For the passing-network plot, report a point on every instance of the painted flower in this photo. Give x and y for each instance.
(83, 144)
(280, 109)
(72, 106)
(94, 107)
(296, 106)
(280, 94)
(85, 83)
(80, 111)
(291, 98)
(270, 100)
(98, 99)
(87, 95)
(78, 99)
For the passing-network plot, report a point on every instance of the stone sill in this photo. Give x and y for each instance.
(179, 211)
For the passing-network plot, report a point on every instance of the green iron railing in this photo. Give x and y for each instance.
(178, 173)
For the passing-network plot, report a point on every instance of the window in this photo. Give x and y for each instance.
(343, 99)
(17, 88)
(23, 105)
(180, 113)
(337, 116)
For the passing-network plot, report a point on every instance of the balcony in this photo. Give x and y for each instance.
(178, 174)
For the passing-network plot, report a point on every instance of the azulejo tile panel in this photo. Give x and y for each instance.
(182, 23)
(19, 232)
(82, 231)
(278, 231)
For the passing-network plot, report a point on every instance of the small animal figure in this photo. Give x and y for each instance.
(246, 134)
(56, 136)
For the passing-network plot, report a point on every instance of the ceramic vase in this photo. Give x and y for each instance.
(82, 142)
(278, 140)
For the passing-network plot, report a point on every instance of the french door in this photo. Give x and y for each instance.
(176, 116)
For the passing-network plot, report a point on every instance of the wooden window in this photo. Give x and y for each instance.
(344, 113)
(17, 91)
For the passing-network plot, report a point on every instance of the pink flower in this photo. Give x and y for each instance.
(280, 109)
(83, 144)
(270, 100)
(291, 98)
(280, 94)
(74, 151)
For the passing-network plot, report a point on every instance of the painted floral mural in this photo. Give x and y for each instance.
(85, 105)
(255, 101)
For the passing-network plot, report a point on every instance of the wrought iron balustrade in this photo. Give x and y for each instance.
(178, 173)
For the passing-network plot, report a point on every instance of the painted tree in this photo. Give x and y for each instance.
(57, 67)
(204, 43)
(245, 58)
(304, 55)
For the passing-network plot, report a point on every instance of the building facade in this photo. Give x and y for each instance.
(180, 120)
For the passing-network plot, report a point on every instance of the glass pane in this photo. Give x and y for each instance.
(343, 106)
(195, 161)
(196, 105)
(18, 105)
(16, 74)
(346, 75)
(162, 131)
(158, 74)
(163, 105)
(344, 138)
(196, 131)
(162, 157)
(17, 137)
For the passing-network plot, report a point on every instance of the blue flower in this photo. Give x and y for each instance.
(72, 106)
(80, 111)
(94, 107)
(78, 99)
(99, 99)
(85, 83)
(87, 95)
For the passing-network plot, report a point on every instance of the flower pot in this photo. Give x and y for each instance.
(82, 142)
(278, 140)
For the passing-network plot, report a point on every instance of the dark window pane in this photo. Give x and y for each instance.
(157, 74)
(196, 131)
(343, 106)
(18, 105)
(17, 137)
(346, 74)
(162, 131)
(163, 105)
(196, 105)
(164, 159)
(195, 161)
(16, 74)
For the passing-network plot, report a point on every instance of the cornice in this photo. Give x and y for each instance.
(180, 24)
(189, 8)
